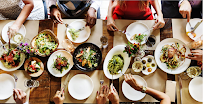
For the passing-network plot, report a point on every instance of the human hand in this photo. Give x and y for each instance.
(12, 30)
(102, 95)
(185, 9)
(91, 17)
(59, 97)
(159, 22)
(132, 82)
(196, 55)
(21, 96)
(113, 95)
(56, 16)
(111, 24)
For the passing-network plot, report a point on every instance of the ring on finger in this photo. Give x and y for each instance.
(159, 25)
(192, 54)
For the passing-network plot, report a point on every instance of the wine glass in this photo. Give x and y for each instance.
(31, 83)
(104, 41)
(151, 41)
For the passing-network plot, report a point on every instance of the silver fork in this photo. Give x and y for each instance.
(191, 26)
(68, 26)
(16, 78)
(124, 32)
(101, 80)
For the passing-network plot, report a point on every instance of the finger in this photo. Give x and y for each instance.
(191, 55)
(63, 94)
(115, 27)
(60, 19)
(188, 16)
(155, 26)
(183, 14)
(57, 18)
(111, 87)
(114, 89)
(57, 93)
(97, 93)
(192, 58)
(105, 90)
(111, 28)
(14, 93)
(195, 51)
(102, 90)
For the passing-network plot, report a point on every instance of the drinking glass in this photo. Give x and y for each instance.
(193, 71)
(104, 41)
(151, 40)
(31, 83)
(67, 44)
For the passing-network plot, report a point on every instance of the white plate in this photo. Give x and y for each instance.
(130, 92)
(53, 57)
(5, 29)
(196, 89)
(80, 86)
(198, 30)
(84, 34)
(14, 68)
(153, 68)
(115, 51)
(7, 84)
(137, 28)
(163, 66)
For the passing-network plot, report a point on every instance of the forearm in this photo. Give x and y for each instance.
(156, 6)
(24, 13)
(162, 97)
(111, 8)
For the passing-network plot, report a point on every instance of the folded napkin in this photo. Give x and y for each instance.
(22, 76)
(171, 89)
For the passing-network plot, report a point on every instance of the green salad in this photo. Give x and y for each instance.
(45, 44)
(115, 64)
(61, 63)
(74, 34)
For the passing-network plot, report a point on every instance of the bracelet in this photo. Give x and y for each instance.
(144, 89)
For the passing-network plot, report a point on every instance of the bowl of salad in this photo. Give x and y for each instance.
(87, 57)
(34, 66)
(45, 43)
(11, 59)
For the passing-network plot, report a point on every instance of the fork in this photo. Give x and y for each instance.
(191, 26)
(101, 80)
(16, 78)
(124, 32)
(120, 72)
(68, 26)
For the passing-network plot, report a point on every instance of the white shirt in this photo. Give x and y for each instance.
(96, 4)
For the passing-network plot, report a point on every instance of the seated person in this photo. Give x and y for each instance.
(75, 9)
(21, 10)
(182, 9)
(138, 10)
(196, 55)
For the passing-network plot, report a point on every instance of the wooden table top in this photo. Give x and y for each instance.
(50, 84)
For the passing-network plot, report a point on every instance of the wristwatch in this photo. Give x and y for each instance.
(143, 89)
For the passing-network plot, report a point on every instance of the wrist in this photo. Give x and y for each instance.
(92, 9)
(52, 7)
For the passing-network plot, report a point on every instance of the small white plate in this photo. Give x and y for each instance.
(80, 86)
(137, 28)
(196, 88)
(5, 29)
(53, 57)
(84, 34)
(115, 51)
(198, 30)
(153, 68)
(130, 92)
(7, 84)
(163, 66)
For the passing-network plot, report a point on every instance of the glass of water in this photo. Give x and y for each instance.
(104, 41)
(31, 83)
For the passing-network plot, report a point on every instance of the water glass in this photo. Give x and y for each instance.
(67, 44)
(104, 41)
(31, 83)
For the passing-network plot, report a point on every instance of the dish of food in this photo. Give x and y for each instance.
(149, 64)
(197, 33)
(130, 92)
(137, 66)
(115, 64)
(193, 71)
(60, 63)
(136, 30)
(45, 43)
(87, 57)
(21, 31)
(170, 56)
(116, 52)
(11, 59)
(195, 88)
(7, 83)
(75, 35)
(34, 66)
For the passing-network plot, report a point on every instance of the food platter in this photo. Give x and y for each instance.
(198, 30)
(152, 64)
(81, 53)
(83, 35)
(115, 51)
(7, 84)
(137, 28)
(52, 58)
(22, 59)
(184, 64)
(80, 86)
(130, 92)
(22, 31)
(195, 88)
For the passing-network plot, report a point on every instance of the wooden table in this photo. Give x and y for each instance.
(50, 84)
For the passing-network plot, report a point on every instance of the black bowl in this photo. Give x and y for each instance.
(98, 55)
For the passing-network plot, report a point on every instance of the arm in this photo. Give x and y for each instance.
(23, 15)
(102, 95)
(113, 95)
(59, 97)
(54, 12)
(159, 23)
(162, 97)
(185, 9)
(110, 21)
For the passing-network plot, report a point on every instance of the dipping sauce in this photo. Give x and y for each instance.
(153, 65)
(149, 69)
(148, 64)
(137, 66)
(149, 60)
(143, 61)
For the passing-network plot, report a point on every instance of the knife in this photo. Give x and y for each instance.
(180, 88)
(66, 82)
(198, 23)
(9, 37)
